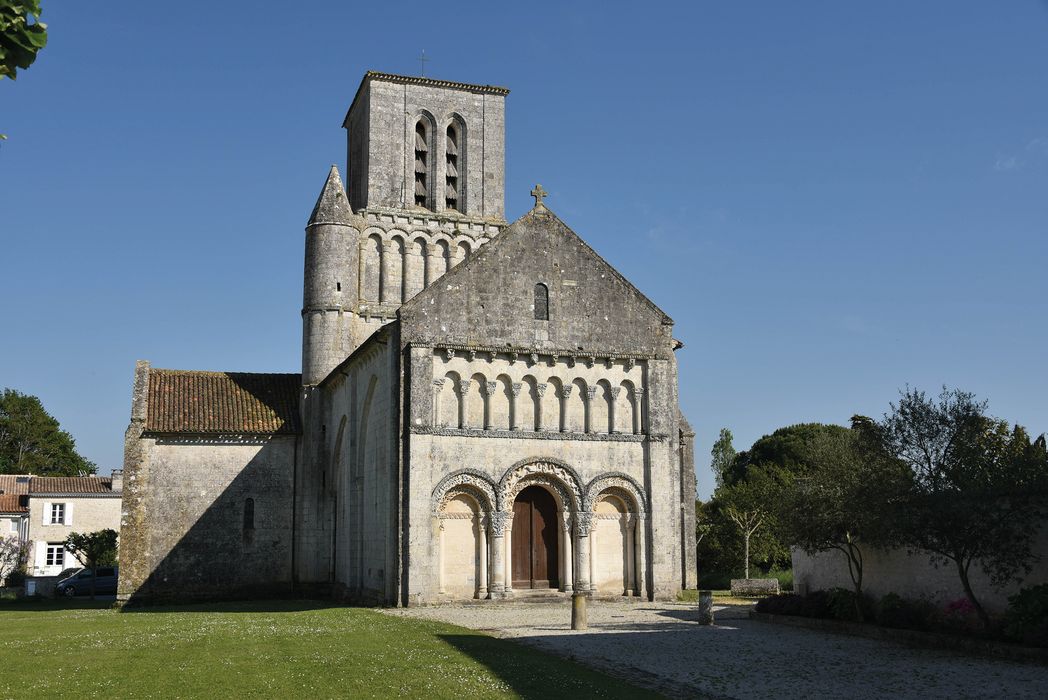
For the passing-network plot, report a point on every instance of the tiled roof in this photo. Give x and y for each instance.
(71, 484)
(12, 503)
(197, 403)
(9, 483)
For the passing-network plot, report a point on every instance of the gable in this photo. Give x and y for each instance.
(489, 299)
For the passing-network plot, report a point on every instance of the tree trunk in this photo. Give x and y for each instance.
(962, 570)
(855, 569)
(746, 550)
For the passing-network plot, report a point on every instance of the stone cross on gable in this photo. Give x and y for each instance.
(538, 193)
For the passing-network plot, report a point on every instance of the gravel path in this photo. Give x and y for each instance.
(660, 646)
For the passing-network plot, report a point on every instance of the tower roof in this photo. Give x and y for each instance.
(333, 205)
(421, 80)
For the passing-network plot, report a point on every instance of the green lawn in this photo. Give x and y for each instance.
(270, 649)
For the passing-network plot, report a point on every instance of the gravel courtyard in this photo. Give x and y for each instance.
(659, 645)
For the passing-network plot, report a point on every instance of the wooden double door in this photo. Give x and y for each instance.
(536, 540)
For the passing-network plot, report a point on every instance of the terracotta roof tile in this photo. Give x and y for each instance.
(12, 503)
(9, 483)
(71, 484)
(182, 401)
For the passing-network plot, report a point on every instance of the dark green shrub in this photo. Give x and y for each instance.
(1027, 617)
(842, 605)
(893, 611)
(16, 579)
(813, 605)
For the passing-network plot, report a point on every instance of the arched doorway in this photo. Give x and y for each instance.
(535, 539)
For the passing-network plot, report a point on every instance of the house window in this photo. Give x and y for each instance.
(421, 164)
(541, 302)
(55, 554)
(14, 526)
(451, 196)
(249, 514)
(57, 513)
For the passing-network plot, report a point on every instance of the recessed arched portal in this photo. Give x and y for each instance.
(536, 539)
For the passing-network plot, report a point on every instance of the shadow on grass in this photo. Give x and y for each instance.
(54, 604)
(532, 673)
(237, 606)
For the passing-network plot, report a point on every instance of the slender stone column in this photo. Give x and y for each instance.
(565, 394)
(638, 410)
(540, 422)
(489, 390)
(642, 562)
(631, 557)
(434, 261)
(591, 393)
(593, 553)
(482, 581)
(390, 262)
(583, 523)
(438, 386)
(498, 568)
(509, 553)
(440, 558)
(567, 584)
(463, 388)
(514, 414)
(612, 417)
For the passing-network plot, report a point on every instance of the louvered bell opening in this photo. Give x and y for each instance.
(452, 146)
(452, 170)
(420, 142)
(452, 189)
(420, 188)
(420, 163)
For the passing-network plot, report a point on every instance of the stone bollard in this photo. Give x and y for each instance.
(705, 607)
(578, 611)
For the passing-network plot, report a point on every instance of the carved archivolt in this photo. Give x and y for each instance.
(467, 481)
(621, 485)
(551, 473)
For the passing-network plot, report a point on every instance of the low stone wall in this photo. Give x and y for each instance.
(750, 587)
(41, 586)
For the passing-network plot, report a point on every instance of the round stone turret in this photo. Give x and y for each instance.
(330, 282)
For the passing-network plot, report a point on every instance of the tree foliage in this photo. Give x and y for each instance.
(979, 487)
(93, 549)
(13, 553)
(750, 504)
(848, 498)
(22, 35)
(31, 441)
(723, 456)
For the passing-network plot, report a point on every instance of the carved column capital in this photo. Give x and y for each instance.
(499, 521)
(615, 391)
(541, 389)
(490, 388)
(438, 384)
(584, 523)
(565, 391)
(591, 392)
(565, 521)
(515, 389)
(463, 386)
(638, 392)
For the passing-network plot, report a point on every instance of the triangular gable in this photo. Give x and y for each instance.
(488, 299)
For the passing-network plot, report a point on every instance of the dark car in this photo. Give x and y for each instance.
(80, 583)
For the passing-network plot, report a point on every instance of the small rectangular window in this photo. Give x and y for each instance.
(55, 554)
(57, 513)
(338, 286)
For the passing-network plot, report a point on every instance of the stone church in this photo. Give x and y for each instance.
(485, 409)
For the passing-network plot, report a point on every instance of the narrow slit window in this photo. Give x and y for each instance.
(541, 302)
(451, 184)
(249, 514)
(338, 286)
(421, 164)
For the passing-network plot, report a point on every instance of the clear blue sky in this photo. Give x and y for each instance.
(831, 199)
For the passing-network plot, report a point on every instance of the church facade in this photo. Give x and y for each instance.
(485, 410)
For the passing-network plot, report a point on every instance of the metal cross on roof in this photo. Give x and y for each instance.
(538, 193)
(422, 62)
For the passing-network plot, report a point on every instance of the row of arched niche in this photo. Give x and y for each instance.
(394, 268)
(599, 544)
(552, 405)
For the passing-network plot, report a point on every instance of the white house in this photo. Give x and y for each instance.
(61, 505)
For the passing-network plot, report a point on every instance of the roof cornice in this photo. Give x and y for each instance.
(427, 82)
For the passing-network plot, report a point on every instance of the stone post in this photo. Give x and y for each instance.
(579, 619)
(498, 568)
(482, 580)
(705, 607)
(514, 420)
(583, 523)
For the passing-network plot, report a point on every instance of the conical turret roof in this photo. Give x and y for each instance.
(333, 205)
